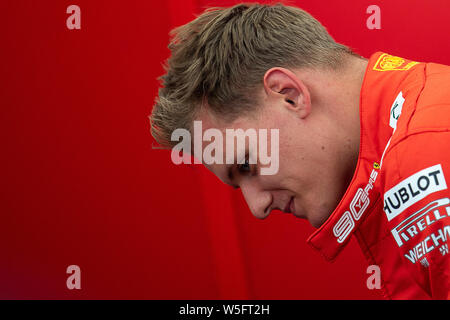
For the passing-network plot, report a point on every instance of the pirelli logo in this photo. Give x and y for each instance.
(386, 62)
(413, 189)
(419, 221)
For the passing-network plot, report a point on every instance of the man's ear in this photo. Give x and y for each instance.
(284, 84)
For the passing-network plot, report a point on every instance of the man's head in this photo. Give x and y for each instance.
(268, 67)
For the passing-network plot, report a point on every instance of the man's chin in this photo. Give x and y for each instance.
(317, 221)
(314, 221)
(316, 224)
(300, 216)
(318, 215)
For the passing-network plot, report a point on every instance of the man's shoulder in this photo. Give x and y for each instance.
(414, 152)
(422, 132)
(425, 99)
(432, 108)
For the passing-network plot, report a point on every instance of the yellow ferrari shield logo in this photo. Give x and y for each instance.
(386, 62)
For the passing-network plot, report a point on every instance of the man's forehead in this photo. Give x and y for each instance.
(209, 124)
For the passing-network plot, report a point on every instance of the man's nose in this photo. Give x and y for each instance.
(258, 200)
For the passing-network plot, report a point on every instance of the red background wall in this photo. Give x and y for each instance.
(81, 184)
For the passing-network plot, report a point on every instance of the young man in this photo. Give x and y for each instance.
(362, 143)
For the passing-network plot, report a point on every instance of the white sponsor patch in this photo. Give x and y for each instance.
(396, 110)
(413, 189)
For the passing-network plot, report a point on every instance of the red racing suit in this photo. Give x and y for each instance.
(398, 202)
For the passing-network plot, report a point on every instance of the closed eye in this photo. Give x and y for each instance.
(241, 170)
(244, 168)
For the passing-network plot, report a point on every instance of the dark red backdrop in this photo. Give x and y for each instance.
(81, 184)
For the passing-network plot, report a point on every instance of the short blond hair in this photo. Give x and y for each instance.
(220, 58)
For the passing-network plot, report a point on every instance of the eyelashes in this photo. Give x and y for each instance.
(246, 168)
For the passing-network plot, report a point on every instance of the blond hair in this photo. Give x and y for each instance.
(220, 59)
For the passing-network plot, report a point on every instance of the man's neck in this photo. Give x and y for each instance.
(355, 78)
(336, 94)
